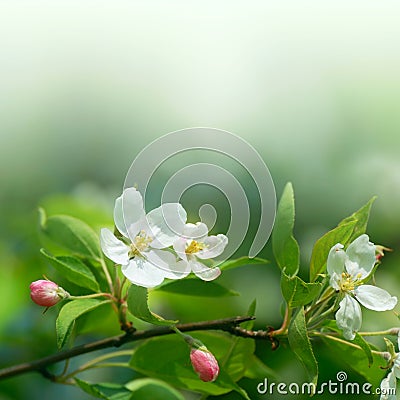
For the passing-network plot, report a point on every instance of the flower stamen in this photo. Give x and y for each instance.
(194, 247)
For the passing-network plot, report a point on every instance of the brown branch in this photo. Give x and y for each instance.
(227, 324)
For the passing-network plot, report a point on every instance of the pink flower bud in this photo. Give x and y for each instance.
(46, 293)
(204, 364)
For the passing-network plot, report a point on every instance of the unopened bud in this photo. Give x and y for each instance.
(47, 293)
(204, 364)
(380, 252)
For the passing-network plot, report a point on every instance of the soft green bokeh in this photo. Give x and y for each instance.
(85, 85)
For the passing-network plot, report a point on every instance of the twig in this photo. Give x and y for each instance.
(41, 365)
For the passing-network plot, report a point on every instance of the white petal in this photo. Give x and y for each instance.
(196, 231)
(166, 261)
(334, 281)
(396, 366)
(143, 273)
(348, 317)
(113, 248)
(203, 272)
(180, 247)
(362, 252)
(215, 245)
(388, 385)
(336, 259)
(166, 224)
(134, 211)
(375, 298)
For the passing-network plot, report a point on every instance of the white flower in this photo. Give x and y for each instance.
(195, 245)
(348, 270)
(388, 384)
(140, 252)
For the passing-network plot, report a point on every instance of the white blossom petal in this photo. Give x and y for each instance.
(375, 298)
(143, 273)
(215, 245)
(396, 366)
(203, 272)
(348, 317)
(166, 223)
(336, 259)
(388, 387)
(113, 248)
(167, 262)
(334, 281)
(361, 252)
(134, 211)
(196, 231)
(180, 247)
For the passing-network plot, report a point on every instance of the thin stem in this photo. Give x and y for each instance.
(107, 275)
(391, 331)
(339, 340)
(286, 319)
(92, 296)
(40, 365)
(92, 363)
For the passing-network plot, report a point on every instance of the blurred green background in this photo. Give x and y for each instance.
(85, 85)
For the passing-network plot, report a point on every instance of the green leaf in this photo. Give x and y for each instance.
(105, 391)
(241, 262)
(348, 229)
(251, 312)
(153, 389)
(74, 270)
(71, 234)
(355, 359)
(284, 245)
(69, 313)
(358, 340)
(90, 389)
(361, 217)
(319, 256)
(196, 287)
(172, 362)
(365, 347)
(301, 346)
(296, 292)
(138, 306)
(256, 369)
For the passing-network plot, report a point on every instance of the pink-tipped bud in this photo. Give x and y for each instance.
(380, 252)
(204, 364)
(46, 293)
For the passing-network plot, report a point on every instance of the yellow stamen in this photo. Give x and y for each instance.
(194, 247)
(140, 244)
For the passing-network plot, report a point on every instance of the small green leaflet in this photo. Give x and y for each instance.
(72, 234)
(153, 389)
(298, 293)
(361, 216)
(241, 262)
(196, 287)
(74, 270)
(284, 245)
(69, 313)
(319, 256)
(138, 306)
(347, 230)
(301, 346)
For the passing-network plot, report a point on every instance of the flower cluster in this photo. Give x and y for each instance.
(160, 244)
(349, 271)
